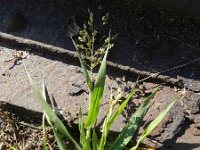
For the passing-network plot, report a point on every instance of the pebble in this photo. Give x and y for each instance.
(197, 132)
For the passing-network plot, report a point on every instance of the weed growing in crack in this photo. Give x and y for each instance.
(90, 58)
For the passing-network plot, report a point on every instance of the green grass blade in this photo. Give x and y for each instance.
(83, 140)
(97, 94)
(154, 124)
(81, 128)
(50, 113)
(85, 72)
(134, 122)
(1, 145)
(45, 94)
(94, 140)
(13, 148)
(57, 137)
(104, 134)
(44, 146)
(59, 140)
(110, 119)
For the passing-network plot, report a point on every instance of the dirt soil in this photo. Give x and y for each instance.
(149, 39)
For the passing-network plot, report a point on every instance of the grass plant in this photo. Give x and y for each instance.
(91, 57)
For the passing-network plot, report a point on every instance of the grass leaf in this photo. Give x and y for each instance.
(44, 146)
(59, 140)
(94, 140)
(83, 66)
(50, 113)
(97, 94)
(154, 124)
(1, 145)
(13, 148)
(110, 119)
(130, 129)
(83, 140)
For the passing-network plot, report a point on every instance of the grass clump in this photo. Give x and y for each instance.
(90, 58)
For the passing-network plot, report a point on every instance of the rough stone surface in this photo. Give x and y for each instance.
(172, 123)
(186, 141)
(197, 119)
(197, 132)
(191, 84)
(192, 102)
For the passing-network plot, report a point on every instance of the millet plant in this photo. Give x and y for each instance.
(91, 57)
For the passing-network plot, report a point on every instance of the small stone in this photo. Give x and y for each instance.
(151, 144)
(197, 132)
(192, 102)
(76, 90)
(197, 119)
(51, 137)
(149, 87)
(197, 125)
